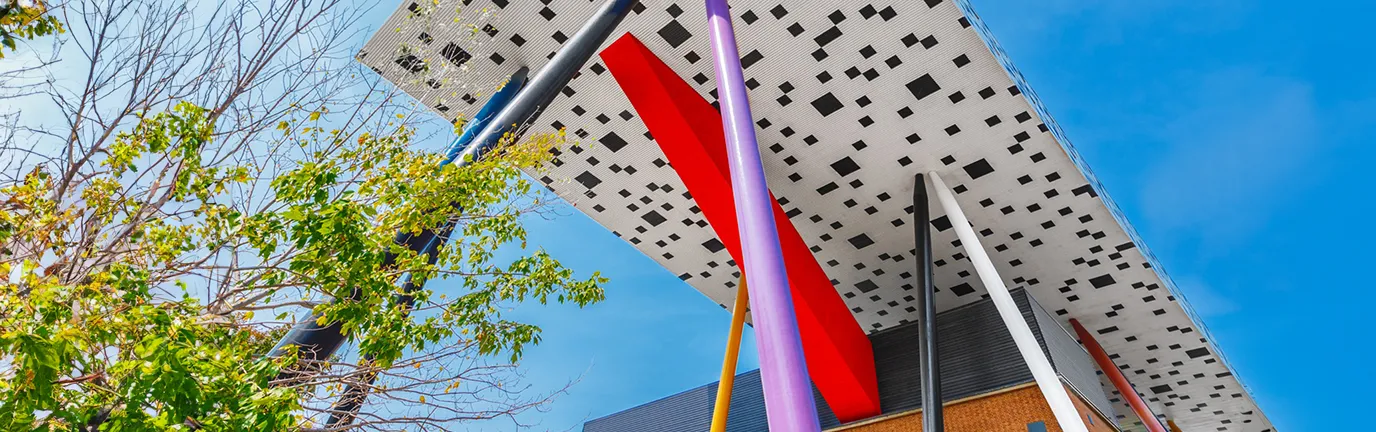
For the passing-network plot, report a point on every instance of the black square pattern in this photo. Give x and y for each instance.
(850, 100)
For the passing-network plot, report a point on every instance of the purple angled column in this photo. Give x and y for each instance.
(787, 390)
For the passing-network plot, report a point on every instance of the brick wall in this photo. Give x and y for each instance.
(1007, 411)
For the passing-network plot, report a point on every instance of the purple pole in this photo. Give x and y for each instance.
(783, 370)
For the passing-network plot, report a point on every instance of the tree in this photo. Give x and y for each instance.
(194, 192)
(26, 19)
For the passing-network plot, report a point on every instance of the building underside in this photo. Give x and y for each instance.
(850, 101)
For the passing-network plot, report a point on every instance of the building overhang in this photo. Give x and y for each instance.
(850, 102)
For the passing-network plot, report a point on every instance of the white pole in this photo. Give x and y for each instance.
(1047, 380)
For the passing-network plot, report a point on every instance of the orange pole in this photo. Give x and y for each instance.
(728, 364)
(1174, 428)
(1116, 377)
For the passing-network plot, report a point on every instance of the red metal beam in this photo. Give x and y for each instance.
(1115, 376)
(688, 129)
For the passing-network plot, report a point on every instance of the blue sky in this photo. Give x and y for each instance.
(1235, 134)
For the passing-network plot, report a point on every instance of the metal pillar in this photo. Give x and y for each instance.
(689, 131)
(1047, 379)
(318, 342)
(1116, 377)
(552, 78)
(787, 392)
(728, 363)
(929, 370)
(345, 410)
(494, 106)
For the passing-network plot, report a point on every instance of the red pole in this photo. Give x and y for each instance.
(1116, 377)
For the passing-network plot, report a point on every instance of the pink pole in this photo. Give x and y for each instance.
(787, 390)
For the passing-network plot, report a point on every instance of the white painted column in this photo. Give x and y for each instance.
(1047, 380)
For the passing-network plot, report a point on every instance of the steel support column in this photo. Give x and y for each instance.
(840, 360)
(728, 362)
(928, 368)
(316, 341)
(486, 114)
(787, 392)
(346, 408)
(1047, 380)
(1116, 377)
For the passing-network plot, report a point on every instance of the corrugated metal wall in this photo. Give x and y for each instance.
(746, 396)
(1072, 361)
(977, 356)
(687, 411)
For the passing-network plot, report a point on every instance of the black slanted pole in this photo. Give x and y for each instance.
(505, 126)
(317, 342)
(926, 312)
(345, 410)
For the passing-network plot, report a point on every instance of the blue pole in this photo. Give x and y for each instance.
(494, 105)
(552, 78)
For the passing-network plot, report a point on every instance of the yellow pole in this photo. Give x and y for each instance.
(728, 364)
(1172, 425)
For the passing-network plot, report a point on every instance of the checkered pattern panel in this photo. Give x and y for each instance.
(851, 100)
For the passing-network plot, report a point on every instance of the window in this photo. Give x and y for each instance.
(455, 54)
(410, 62)
(1036, 427)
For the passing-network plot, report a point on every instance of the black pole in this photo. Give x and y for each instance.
(506, 124)
(317, 342)
(926, 312)
(346, 408)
